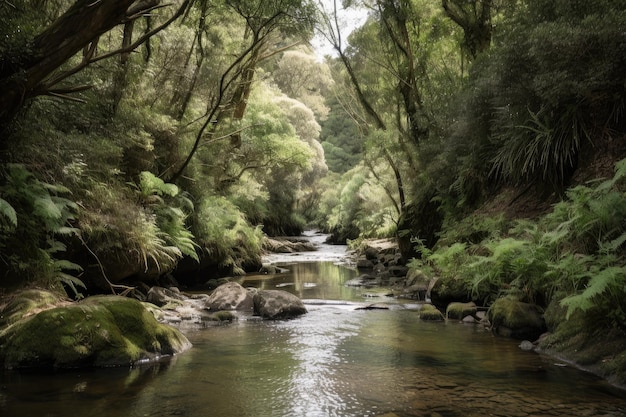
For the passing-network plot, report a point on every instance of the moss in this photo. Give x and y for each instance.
(513, 313)
(516, 319)
(25, 303)
(101, 331)
(223, 315)
(429, 312)
(450, 289)
(591, 346)
(458, 311)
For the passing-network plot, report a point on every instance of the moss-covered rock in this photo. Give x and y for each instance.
(99, 331)
(28, 302)
(457, 311)
(450, 289)
(512, 318)
(429, 312)
(587, 345)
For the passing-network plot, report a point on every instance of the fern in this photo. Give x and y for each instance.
(603, 282)
(149, 184)
(8, 212)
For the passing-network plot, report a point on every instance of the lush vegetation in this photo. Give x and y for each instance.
(487, 136)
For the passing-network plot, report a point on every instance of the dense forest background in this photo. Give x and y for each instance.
(141, 138)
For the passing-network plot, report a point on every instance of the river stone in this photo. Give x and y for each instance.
(512, 318)
(526, 345)
(429, 312)
(160, 296)
(457, 311)
(277, 304)
(96, 332)
(229, 296)
(26, 303)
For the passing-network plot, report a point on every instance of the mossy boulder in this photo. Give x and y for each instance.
(448, 289)
(429, 312)
(96, 332)
(512, 318)
(458, 311)
(28, 302)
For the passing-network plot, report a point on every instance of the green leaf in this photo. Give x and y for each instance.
(8, 211)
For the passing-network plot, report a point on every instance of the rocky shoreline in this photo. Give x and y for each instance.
(380, 264)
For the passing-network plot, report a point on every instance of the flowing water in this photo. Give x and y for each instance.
(334, 361)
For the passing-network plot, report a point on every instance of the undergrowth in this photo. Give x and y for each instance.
(573, 255)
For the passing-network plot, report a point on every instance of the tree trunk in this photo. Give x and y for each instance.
(85, 21)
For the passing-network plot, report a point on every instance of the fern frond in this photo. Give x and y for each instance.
(64, 264)
(599, 283)
(8, 212)
(71, 282)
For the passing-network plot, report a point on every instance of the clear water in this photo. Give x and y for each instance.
(333, 361)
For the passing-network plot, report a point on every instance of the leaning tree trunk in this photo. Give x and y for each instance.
(84, 22)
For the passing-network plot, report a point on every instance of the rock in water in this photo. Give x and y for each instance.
(277, 304)
(511, 318)
(99, 331)
(230, 296)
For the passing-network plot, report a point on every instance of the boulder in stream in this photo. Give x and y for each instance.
(277, 305)
(429, 312)
(96, 332)
(458, 311)
(229, 296)
(512, 318)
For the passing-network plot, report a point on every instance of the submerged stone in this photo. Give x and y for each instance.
(96, 332)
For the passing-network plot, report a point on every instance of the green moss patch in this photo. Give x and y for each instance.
(457, 311)
(429, 312)
(25, 303)
(519, 320)
(100, 331)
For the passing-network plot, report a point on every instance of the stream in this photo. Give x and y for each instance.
(334, 361)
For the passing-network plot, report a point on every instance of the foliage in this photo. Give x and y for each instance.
(572, 255)
(40, 221)
(222, 230)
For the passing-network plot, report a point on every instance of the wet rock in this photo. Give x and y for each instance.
(469, 320)
(398, 271)
(288, 245)
(98, 331)
(417, 285)
(160, 296)
(527, 345)
(457, 311)
(271, 270)
(429, 312)
(363, 263)
(375, 306)
(365, 280)
(512, 318)
(277, 304)
(230, 296)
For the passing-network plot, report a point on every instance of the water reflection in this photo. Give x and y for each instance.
(333, 361)
(310, 280)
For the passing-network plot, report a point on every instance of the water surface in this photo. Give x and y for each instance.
(334, 361)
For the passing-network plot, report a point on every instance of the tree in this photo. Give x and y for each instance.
(474, 17)
(36, 72)
(262, 21)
